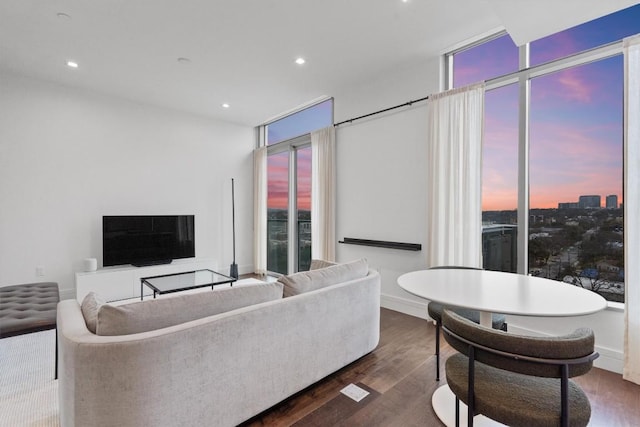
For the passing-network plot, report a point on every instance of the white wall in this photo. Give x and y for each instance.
(381, 174)
(380, 171)
(381, 177)
(68, 157)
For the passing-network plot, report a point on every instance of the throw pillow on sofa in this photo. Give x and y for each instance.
(160, 313)
(91, 303)
(317, 264)
(306, 281)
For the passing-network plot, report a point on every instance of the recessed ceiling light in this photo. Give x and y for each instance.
(63, 15)
(225, 105)
(300, 61)
(183, 60)
(72, 64)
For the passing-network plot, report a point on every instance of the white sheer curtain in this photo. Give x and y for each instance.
(631, 369)
(260, 210)
(454, 187)
(323, 194)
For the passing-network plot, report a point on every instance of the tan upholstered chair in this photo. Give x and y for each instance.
(518, 380)
(434, 309)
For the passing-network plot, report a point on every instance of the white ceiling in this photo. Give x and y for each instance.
(242, 52)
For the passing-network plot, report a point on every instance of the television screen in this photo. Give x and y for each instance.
(147, 240)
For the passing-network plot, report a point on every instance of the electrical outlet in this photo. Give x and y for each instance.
(40, 271)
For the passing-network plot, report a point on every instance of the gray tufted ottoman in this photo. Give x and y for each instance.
(29, 308)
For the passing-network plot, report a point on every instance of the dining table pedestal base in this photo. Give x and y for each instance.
(444, 405)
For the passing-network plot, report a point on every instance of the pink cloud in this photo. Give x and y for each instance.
(575, 87)
(566, 162)
(570, 85)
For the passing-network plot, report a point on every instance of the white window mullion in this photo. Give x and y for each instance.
(292, 247)
(448, 82)
(523, 163)
(523, 177)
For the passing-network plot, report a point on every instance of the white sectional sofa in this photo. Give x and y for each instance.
(217, 370)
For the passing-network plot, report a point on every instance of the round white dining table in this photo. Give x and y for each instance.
(495, 292)
(500, 292)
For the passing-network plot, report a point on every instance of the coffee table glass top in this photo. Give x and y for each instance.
(188, 280)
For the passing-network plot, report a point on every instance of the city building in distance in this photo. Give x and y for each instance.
(589, 201)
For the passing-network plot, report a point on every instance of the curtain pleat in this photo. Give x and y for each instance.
(323, 194)
(260, 210)
(631, 370)
(454, 223)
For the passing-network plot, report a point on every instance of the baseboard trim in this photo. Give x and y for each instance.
(610, 360)
(403, 305)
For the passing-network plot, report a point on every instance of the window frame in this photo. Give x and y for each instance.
(263, 136)
(292, 146)
(523, 78)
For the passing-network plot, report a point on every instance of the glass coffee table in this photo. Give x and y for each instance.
(177, 282)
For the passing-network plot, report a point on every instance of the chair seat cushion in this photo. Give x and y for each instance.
(27, 308)
(435, 312)
(516, 399)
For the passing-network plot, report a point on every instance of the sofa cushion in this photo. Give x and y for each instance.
(91, 303)
(306, 281)
(320, 263)
(160, 313)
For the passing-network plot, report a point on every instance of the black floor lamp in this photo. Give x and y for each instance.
(233, 270)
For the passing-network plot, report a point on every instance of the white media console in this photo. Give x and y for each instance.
(117, 283)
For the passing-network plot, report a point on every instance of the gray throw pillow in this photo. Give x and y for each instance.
(320, 263)
(160, 313)
(306, 281)
(91, 303)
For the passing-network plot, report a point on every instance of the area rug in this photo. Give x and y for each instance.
(28, 392)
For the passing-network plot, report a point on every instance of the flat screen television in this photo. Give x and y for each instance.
(147, 239)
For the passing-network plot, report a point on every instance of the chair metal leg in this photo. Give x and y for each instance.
(564, 396)
(457, 412)
(56, 362)
(471, 398)
(437, 351)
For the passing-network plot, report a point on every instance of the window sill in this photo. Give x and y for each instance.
(615, 306)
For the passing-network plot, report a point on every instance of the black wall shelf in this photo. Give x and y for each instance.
(382, 244)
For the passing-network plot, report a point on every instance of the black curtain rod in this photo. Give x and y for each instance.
(381, 111)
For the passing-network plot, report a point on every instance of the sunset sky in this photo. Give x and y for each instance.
(575, 121)
(278, 172)
(305, 121)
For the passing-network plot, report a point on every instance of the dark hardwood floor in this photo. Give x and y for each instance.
(400, 376)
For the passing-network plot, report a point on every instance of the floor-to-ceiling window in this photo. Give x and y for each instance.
(500, 179)
(553, 151)
(289, 187)
(575, 163)
(278, 212)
